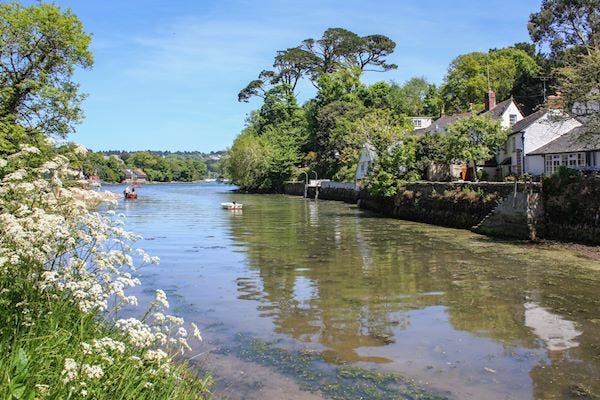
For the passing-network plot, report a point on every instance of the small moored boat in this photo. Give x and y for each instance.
(232, 206)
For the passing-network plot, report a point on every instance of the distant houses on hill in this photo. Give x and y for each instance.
(135, 175)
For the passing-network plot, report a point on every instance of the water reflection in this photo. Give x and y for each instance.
(354, 284)
(556, 332)
(476, 317)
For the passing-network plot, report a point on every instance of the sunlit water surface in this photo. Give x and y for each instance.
(455, 313)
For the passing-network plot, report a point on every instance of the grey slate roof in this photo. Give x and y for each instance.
(527, 121)
(441, 123)
(499, 109)
(580, 139)
(444, 121)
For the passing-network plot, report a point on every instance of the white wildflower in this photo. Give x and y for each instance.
(27, 149)
(182, 332)
(161, 298)
(69, 371)
(159, 318)
(155, 355)
(18, 175)
(92, 371)
(175, 320)
(86, 348)
(196, 332)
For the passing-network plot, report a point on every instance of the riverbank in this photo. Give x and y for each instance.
(562, 208)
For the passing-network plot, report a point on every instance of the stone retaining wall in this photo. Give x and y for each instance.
(572, 207)
(453, 204)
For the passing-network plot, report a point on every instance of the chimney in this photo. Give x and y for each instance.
(490, 100)
(555, 102)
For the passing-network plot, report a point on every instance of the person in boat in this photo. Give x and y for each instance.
(127, 191)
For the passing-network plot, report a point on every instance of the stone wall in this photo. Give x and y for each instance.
(293, 188)
(338, 193)
(453, 204)
(327, 191)
(572, 207)
(435, 203)
(519, 217)
(567, 208)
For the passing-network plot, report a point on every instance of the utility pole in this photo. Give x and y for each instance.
(544, 79)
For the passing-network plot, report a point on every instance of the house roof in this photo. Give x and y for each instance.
(499, 109)
(441, 123)
(527, 121)
(444, 121)
(582, 138)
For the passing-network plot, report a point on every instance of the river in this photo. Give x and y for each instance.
(299, 299)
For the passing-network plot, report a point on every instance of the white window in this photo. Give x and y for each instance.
(513, 142)
(512, 119)
(417, 123)
(553, 161)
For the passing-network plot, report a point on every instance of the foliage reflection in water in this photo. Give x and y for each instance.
(451, 310)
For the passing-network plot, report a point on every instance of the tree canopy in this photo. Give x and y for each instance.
(563, 24)
(336, 50)
(467, 80)
(474, 138)
(40, 46)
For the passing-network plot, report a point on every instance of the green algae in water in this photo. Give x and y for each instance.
(337, 382)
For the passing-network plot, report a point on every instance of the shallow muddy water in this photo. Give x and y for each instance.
(300, 299)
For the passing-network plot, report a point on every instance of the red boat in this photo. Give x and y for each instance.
(132, 195)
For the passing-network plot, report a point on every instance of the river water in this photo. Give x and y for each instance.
(300, 299)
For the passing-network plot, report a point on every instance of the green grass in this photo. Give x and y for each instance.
(39, 331)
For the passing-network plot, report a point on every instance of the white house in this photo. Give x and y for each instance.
(578, 148)
(421, 122)
(506, 112)
(367, 156)
(531, 133)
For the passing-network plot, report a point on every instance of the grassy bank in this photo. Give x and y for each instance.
(45, 340)
(65, 269)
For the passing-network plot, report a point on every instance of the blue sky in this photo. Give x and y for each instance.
(167, 73)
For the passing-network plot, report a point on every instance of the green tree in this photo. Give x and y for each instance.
(475, 138)
(337, 49)
(564, 24)
(433, 104)
(467, 80)
(248, 161)
(429, 149)
(271, 144)
(340, 48)
(580, 87)
(396, 164)
(415, 92)
(40, 46)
